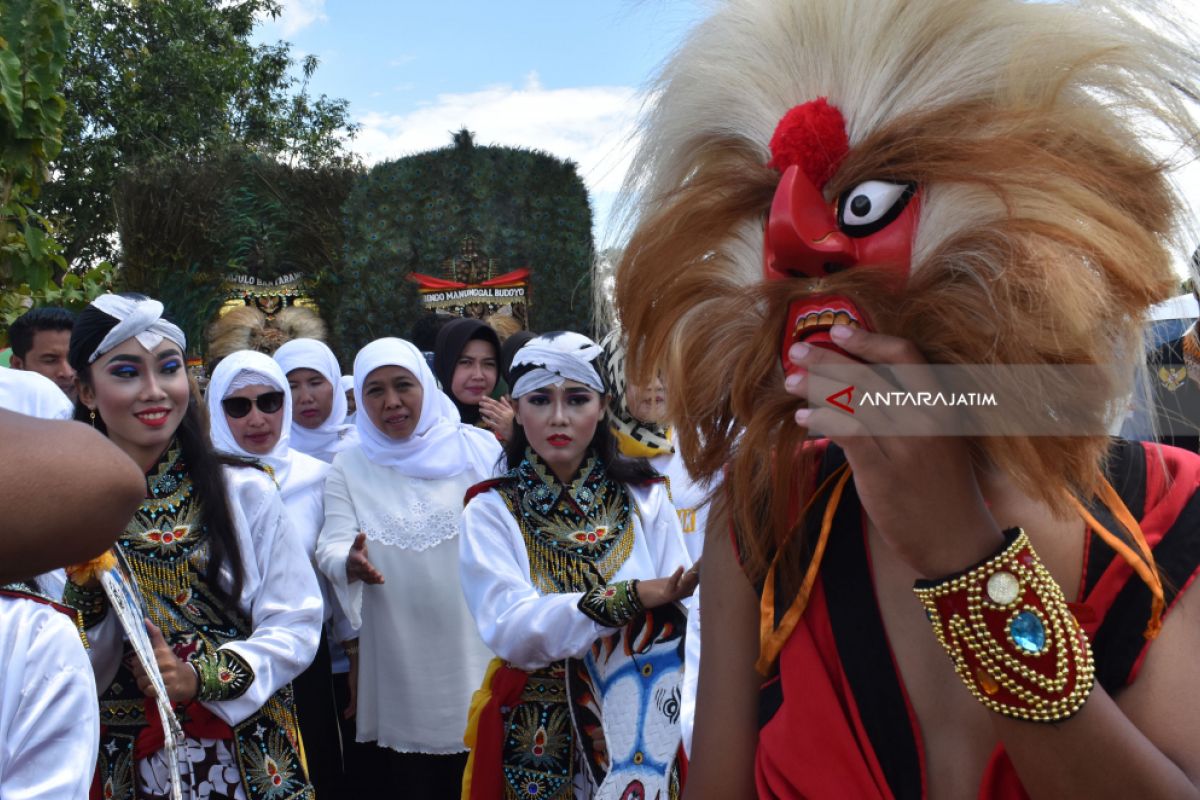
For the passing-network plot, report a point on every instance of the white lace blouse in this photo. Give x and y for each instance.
(420, 657)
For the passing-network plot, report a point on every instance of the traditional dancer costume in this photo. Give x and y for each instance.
(548, 569)
(638, 439)
(929, 171)
(242, 737)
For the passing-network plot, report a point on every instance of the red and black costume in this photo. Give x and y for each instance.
(835, 721)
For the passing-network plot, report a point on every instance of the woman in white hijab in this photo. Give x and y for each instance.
(249, 409)
(319, 425)
(389, 548)
(347, 387)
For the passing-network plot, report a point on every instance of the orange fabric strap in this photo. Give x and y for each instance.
(1142, 562)
(770, 637)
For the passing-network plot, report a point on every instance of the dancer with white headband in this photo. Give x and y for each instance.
(574, 547)
(234, 610)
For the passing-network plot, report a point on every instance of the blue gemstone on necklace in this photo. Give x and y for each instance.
(1027, 632)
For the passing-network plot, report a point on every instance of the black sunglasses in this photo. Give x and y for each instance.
(267, 402)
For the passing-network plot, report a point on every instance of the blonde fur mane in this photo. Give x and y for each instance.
(1045, 230)
(247, 328)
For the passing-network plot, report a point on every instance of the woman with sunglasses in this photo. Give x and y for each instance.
(318, 418)
(567, 548)
(233, 607)
(248, 409)
(389, 548)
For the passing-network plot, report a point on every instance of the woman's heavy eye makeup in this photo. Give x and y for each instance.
(579, 396)
(121, 369)
(575, 397)
(126, 366)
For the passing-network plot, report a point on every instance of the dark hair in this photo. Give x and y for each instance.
(452, 339)
(425, 330)
(508, 351)
(47, 318)
(203, 464)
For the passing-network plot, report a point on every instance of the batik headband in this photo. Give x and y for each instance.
(136, 319)
(552, 358)
(635, 437)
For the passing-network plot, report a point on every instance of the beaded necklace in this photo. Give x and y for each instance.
(576, 535)
(166, 546)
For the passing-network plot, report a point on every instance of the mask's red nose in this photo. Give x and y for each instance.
(802, 236)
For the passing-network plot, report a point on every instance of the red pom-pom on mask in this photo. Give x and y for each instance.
(812, 136)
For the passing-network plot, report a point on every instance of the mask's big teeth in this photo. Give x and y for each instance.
(824, 318)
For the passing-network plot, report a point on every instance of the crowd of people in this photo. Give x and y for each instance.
(471, 567)
(300, 575)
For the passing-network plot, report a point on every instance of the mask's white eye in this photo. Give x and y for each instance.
(872, 205)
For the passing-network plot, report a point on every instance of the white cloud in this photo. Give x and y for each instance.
(296, 15)
(592, 126)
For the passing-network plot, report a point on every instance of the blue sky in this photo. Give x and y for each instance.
(561, 76)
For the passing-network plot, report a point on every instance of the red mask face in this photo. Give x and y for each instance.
(809, 237)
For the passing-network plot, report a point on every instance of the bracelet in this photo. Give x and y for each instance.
(613, 605)
(195, 696)
(1012, 637)
(350, 646)
(224, 675)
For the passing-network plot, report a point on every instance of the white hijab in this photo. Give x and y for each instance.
(249, 368)
(441, 445)
(333, 434)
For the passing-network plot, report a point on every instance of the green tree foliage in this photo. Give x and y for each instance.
(150, 79)
(34, 38)
(186, 225)
(524, 209)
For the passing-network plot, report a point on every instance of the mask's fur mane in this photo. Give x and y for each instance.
(247, 328)
(1042, 239)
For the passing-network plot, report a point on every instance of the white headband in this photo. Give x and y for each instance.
(137, 319)
(555, 358)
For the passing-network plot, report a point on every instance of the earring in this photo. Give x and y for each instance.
(92, 417)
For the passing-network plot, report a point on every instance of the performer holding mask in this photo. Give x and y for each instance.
(882, 196)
